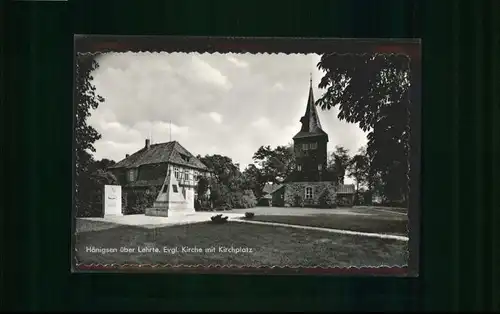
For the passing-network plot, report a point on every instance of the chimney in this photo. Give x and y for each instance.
(147, 143)
(126, 155)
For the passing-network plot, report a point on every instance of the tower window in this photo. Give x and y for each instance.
(313, 146)
(305, 146)
(309, 193)
(299, 167)
(177, 173)
(174, 188)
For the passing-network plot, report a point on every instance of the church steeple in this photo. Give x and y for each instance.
(311, 126)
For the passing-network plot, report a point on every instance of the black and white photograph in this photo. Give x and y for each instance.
(242, 159)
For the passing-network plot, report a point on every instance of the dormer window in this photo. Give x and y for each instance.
(132, 175)
(185, 157)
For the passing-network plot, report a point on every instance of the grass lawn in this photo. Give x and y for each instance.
(375, 224)
(271, 246)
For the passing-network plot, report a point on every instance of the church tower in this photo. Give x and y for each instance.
(310, 145)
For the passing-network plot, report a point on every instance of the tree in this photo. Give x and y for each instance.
(222, 167)
(90, 192)
(358, 168)
(254, 179)
(86, 100)
(339, 162)
(102, 164)
(372, 91)
(275, 164)
(229, 187)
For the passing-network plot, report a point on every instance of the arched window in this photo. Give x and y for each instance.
(309, 193)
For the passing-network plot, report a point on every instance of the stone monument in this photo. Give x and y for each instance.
(112, 200)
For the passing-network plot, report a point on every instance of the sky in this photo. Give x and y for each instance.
(228, 104)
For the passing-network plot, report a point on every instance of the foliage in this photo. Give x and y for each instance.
(255, 180)
(202, 186)
(245, 199)
(222, 167)
(86, 100)
(372, 91)
(327, 199)
(140, 199)
(90, 193)
(249, 215)
(219, 195)
(229, 188)
(359, 169)
(102, 164)
(339, 162)
(219, 218)
(275, 164)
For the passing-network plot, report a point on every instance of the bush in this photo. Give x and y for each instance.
(327, 199)
(220, 196)
(219, 219)
(249, 215)
(197, 205)
(245, 199)
(138, 200)
(88, 200)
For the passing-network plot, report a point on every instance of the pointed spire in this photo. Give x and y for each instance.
(311, 125)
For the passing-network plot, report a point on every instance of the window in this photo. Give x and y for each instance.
(313, 146)
(132, 175)
(305, 146)
(177, 173)
(186, 175)
(299, 167)
(185, 157)
(320, 167)
(165, 188)
(309, 193)
(174, 188)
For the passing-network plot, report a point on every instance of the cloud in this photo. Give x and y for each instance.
(208, 103)
(278, 86)
(207, 73)
(217, 117)
(238, 63)
(261, 122)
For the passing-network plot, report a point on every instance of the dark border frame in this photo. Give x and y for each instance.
(411, 48)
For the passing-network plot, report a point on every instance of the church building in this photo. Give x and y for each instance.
(310, 181)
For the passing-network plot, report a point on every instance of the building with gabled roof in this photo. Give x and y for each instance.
(167, 168)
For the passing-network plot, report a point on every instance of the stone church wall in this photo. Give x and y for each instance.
(295, 193)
